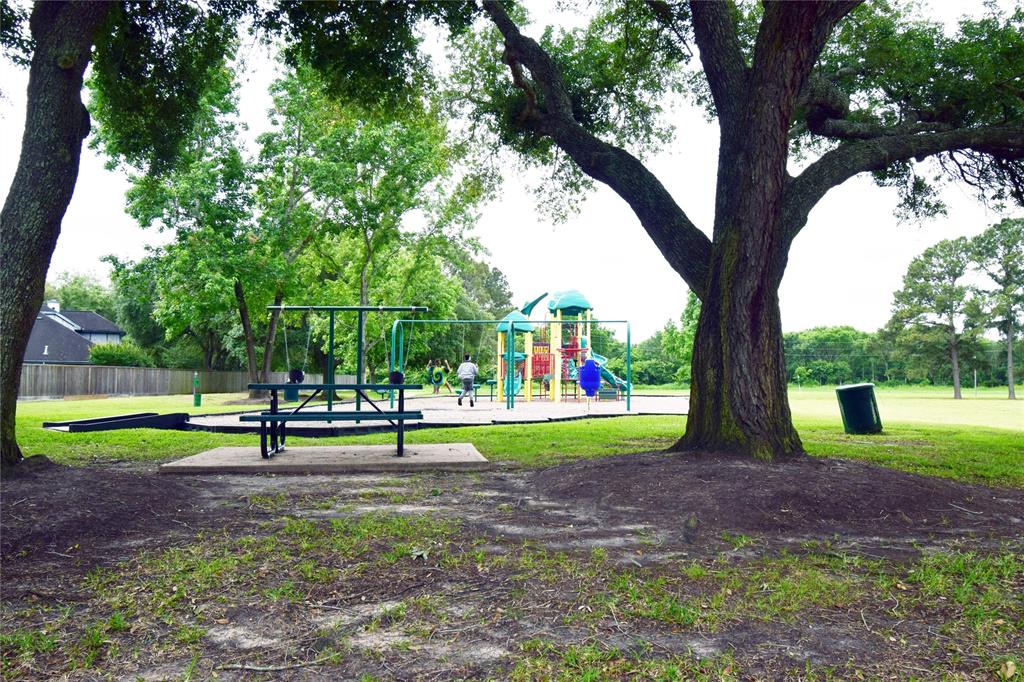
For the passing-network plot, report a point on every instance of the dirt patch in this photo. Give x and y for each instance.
(709, 495)
(701, 565)
(93, 516)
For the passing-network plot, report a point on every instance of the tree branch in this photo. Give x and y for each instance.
(685, 247)
(828, 108)
(789, 41)
(724, 66)
(839, 165)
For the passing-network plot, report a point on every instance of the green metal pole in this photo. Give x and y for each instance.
(330, 360)
(510, 377)
(359, 356)
(397, 331)
(629, 369)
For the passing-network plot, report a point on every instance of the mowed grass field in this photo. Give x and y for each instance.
(977, 439)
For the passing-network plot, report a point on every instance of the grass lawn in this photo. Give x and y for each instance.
(976, 439)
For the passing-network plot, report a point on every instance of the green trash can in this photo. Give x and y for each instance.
(291, 393)
(859, 409)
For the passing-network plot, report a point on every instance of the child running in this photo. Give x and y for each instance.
(467, 372)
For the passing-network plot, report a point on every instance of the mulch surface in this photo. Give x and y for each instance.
(804, 496)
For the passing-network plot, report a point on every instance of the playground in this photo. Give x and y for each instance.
(544, 370)
(772, 435)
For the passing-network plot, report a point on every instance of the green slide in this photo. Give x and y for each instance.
(618, 382)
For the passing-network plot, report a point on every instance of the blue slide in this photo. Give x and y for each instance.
(618, 382)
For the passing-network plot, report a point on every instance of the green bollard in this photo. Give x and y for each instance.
(197, 397)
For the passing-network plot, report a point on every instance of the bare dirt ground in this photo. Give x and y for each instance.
(649, 566)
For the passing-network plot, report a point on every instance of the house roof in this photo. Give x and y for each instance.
(91, 322)
(52, 342)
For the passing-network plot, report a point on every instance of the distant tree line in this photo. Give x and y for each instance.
(952, 294)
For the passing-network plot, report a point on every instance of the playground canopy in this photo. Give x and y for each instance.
(570, 302)
(520, 323)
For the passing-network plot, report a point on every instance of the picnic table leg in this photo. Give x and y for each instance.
(263, 441)
(273, 424)
(401, 423)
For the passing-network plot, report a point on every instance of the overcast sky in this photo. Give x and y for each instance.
(843, 267)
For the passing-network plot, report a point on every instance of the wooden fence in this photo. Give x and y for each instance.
(58, 381)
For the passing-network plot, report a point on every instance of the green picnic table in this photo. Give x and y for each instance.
(272, 422)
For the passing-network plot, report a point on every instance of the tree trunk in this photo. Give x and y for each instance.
(738, 400)
(250, 338)
(268, 347)
(207, 358)
(1009, 357)
(954, 356)
(56, 122)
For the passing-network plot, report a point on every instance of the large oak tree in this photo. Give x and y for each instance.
(849, 89)
(151, 62)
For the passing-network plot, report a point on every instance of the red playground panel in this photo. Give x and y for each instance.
(541, 364)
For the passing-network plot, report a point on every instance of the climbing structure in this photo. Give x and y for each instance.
(551, 352)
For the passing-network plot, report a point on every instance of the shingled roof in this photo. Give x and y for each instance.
(91, 322)
(52, 342)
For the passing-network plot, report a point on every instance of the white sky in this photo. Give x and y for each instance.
(843, 268)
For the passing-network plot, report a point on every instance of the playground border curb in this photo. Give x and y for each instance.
(333, 431)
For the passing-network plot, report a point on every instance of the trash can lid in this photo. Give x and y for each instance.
(847, 387)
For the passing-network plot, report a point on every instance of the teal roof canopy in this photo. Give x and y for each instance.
(528, 308)
(570, 302)
(523, 323)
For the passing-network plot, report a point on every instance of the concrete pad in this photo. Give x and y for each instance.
(332, 459)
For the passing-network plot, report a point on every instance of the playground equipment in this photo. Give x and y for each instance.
(590, 378)
(559, 348)
(514, 323)
(549, 353)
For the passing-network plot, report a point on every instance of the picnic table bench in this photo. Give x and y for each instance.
(272, 423)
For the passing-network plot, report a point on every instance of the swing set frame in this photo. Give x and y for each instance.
(360, 311)
(397, 360)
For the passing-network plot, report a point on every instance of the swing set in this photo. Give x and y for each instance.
(296, 376)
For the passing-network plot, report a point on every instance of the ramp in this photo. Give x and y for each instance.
(139, 420)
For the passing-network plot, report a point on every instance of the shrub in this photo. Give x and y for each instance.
(125, 354)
